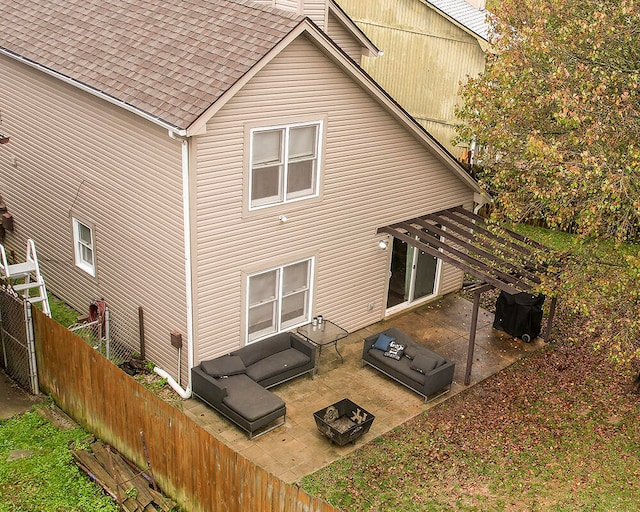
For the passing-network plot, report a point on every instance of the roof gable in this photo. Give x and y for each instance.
(176, 63)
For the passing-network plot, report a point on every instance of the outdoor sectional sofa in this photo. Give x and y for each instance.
(236, 384)
(417, 367)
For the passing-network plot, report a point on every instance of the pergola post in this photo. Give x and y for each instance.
(472, 335)
(552, 314)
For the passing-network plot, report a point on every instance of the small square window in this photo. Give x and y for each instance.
(84, 247)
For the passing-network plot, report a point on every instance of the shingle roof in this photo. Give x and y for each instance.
(171, 60)
(468, 16)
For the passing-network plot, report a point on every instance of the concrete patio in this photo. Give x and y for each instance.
(298, 448)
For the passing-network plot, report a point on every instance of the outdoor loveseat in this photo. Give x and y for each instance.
(236, 384)
(413, 365)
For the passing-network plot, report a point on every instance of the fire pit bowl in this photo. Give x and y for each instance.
(343, 422)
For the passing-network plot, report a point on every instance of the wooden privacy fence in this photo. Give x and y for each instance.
(190, 465)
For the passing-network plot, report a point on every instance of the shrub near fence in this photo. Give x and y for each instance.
(190, 465)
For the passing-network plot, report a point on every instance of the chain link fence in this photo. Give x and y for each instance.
(17, 348)
(112, 335)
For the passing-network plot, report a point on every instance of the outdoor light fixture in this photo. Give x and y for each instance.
(383, 245)
(4, 138)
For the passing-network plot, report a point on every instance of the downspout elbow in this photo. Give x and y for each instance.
(184, 393)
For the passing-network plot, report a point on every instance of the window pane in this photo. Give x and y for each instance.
(84, 234)
(86, 255)
(302, 142)
(294, 308)
(267, 147)
(263, 287)
(301, 178)
(262, 320)
(266, 184)
(295, 277)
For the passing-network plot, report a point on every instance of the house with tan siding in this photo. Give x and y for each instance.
(223, 165)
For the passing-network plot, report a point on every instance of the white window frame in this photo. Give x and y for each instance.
(278, 325)
(282, 197)
(81, 246)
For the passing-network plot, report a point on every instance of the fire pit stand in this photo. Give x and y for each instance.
(343, 422)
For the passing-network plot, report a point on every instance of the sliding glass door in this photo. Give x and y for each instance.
(413, 275)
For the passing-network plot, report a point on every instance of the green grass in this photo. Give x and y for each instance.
(48, 480)
(61, 312)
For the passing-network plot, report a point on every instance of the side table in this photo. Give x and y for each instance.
(323, 334)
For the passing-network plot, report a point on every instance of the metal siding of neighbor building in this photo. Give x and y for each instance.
(425, 58)
(78, 155)
(374, 172)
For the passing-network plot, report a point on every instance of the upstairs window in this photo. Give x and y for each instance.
(284, 163)
(279, 299)
(84, 247)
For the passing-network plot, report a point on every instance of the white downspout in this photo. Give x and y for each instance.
(186, 207)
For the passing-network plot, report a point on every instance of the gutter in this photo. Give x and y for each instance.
(95, 92)
(186, 216)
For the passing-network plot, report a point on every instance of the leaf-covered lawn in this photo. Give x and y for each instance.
(557, 431)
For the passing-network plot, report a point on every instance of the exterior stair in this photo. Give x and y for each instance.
(26, 277)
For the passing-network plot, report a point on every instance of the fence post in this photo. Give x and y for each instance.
(31, 347)
(4, 348)
(107, 338)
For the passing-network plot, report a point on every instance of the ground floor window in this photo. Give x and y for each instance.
(84, 247)
(278, 299)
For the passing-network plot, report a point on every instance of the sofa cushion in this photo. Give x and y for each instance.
(277, 363)
(383, 341)
(423, 363)
(401, 366)
(223, 366)
(260, 349)
(249, 399)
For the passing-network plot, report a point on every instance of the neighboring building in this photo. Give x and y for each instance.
(225, 165)
(429, 47)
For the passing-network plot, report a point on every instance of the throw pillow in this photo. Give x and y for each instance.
(410, 351)
(423, 363)
(382, 343)
(395, 350)
(224, 366)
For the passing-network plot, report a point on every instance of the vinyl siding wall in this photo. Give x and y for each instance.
(76, 155)
(425, 58)
(351, 46)
(374, 173)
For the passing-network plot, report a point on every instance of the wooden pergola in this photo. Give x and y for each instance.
(496, 256)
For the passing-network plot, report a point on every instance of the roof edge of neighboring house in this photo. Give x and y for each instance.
(346, 20)
(483, 41)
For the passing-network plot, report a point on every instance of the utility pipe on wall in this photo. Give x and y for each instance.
(186, 216)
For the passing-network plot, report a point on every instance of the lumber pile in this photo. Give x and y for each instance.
(132, 488)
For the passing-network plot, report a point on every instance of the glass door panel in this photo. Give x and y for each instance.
(398, 291)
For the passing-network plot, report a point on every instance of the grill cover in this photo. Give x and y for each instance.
(519, 314)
